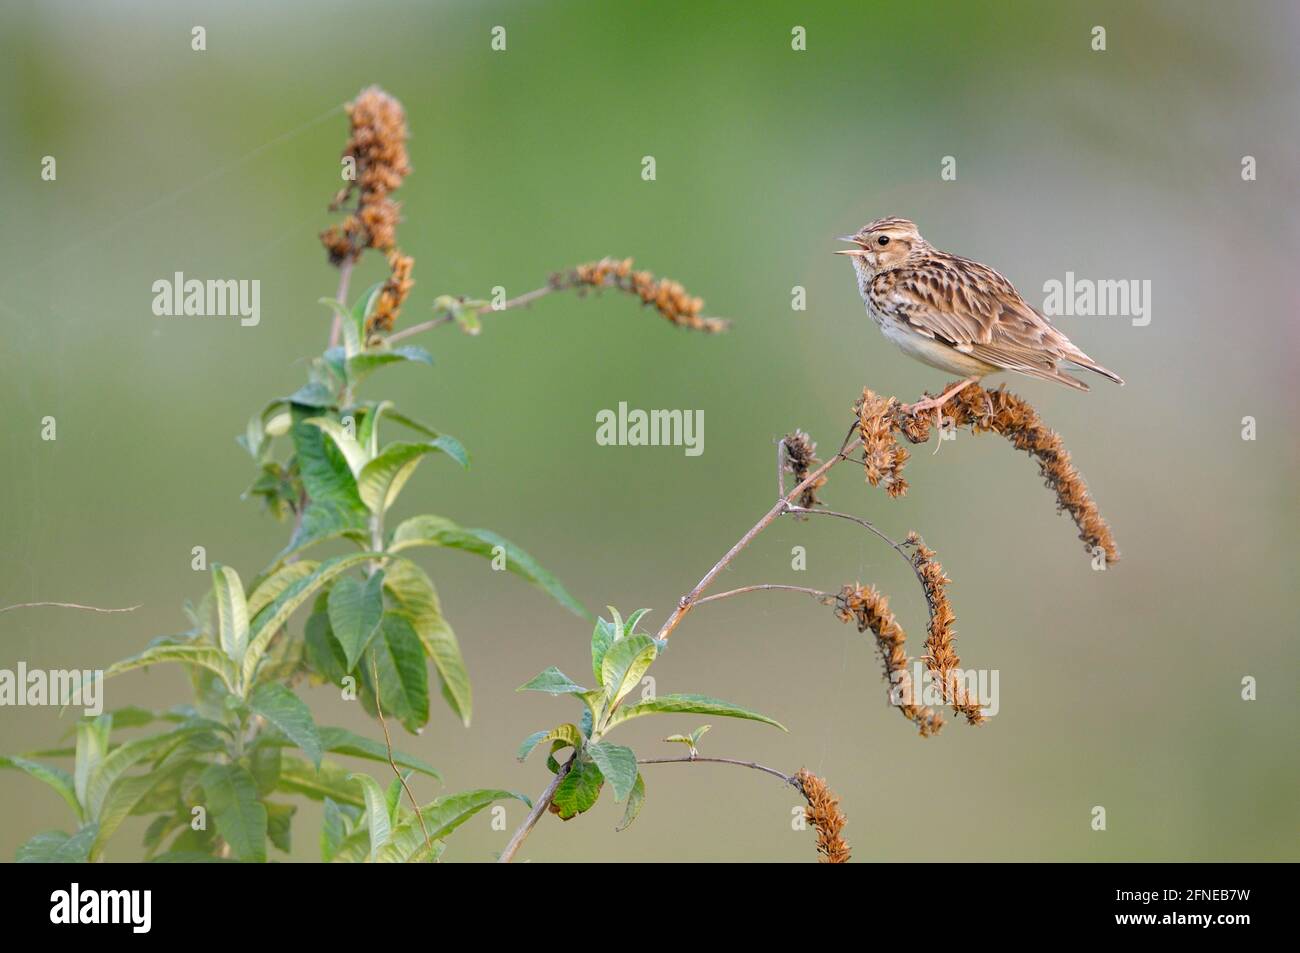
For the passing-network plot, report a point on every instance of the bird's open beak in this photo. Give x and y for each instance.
(850, 251)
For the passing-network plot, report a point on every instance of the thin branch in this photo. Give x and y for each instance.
(388, 745)
(539, 808)
(815, 593)
(685, 604)
(788, 779)
(345, 276)
(68, 605)
(780, 467)
(522, 301)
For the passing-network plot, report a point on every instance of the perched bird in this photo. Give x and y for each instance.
(955, 314)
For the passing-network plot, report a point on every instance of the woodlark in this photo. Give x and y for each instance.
(955, 314)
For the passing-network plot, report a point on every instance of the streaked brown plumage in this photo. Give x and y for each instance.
(955, 314)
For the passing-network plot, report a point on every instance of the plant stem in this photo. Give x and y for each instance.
(66, 605)
(522, 301)
(388, 744)
(816, 593)
(539, 808)
(688, 601)
(345, 276)
(788, 779)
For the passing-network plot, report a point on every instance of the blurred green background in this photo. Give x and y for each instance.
(1119, 689)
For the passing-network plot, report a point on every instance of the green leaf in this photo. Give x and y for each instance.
(382, 479)
(204, 656)
(618, 764)
(363, 365)
(333, 830)
(346, 443)
(553, 682)
(266, 590)
(323, 521)
(578, 789)
(429, 530)
(624, 664)
(124, 798)
(332, 780)
(567, 733)
(124, 757)
(282, 708)
(603, 636)
(279, 820)
(314, 394)
(417, 601)
(376, 813)
(295, 594)
(232, 612)
(635, 802)
(266, 424)
(693, 739)
(233, 805)
(56, 847)
(403, 689)
(56, 778)
(325, 472)
(348, 323)
(355, 608)
(342, 741)
(693, 704)
(443, 815)
(92, 748)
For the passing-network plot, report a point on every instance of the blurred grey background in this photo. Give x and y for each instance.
(1119, 689)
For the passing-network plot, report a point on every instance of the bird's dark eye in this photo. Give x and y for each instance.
(882, 240)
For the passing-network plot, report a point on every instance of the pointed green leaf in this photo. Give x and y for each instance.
(345, 442)
(403, 690)
(56, 778)
(567, 733)
(382, 479)
(603, 636)
(635, 802)
(92, 748)
(324, 470)
(268, 589)
(233, 805)
(578, 789)
(618, 764)
(333, 830)
(297, 776)
(364, 364)
(204, 656)
(553, 682)
(415, 599)
(232, 612)
(355, 608)
(376, 813)
(342, 741)
(56, 847)
(624, 664)
(693, 704)
(429, 530)
(289, 713)
(277, 613)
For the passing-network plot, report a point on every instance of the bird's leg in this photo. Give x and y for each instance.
(936, 404)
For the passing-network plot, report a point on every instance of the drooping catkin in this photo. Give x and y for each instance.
(667, 297)
(941, 658)
(823, 813)
(377, 149)
(869, 609)
(982, 411)
(800, 459)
